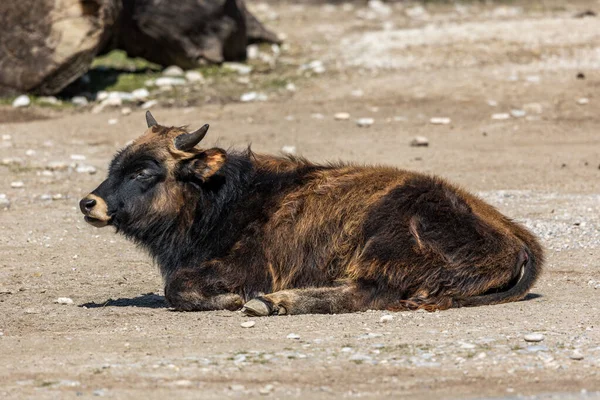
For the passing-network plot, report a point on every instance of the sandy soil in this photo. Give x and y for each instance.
(119, 340)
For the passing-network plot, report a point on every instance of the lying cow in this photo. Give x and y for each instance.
(281, 235)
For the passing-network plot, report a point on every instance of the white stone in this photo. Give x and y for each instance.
(290, 87)
(6, 137)
(113, 121)
(576, 355)
(266, 389)
(194, 76)
(64, 300)
(49, 100)
(419, 141)
(169, 81)
(78, 157)
(252, 52)
(365, 122)
(240, 68)
(173, 70)
(583, 101)
(288, 150)
(416, 12)
(21, 101)
(440, 120)
(149, 104)
(248, 324)
(102, 95)
(4, 201)
(17, 184)
(315, 66)
(501, 116)
(253, 96)
(86, 169)
(342, 116)
(533, 337)
(386, 318)
(237, 388)
(140, 94)
(57, 165)
(357, 93)
(293, 336)
(79, 101)
(126, 110)
(30, 153)
(492, 103)
(518, 113)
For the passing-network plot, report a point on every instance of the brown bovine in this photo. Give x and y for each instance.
(281, 235)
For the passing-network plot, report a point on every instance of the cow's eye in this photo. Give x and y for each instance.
(141, 175)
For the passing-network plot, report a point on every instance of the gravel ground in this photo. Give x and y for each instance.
(499, 104)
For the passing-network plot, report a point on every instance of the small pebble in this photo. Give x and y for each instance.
(266, 389)
(288, 150)
(6, 137)
(149, 104)
(518, 113)
(386, 318)
(4, 202)
(576, 356)
(248, 324)
(113, 121)
(293, 336)
(86, 169)
(237, 388)
(533, 337)
(77, 157)
(365, 122)
(501, 116)
(64, 300)
(357, 93)
(169, 81)
(79, 101)
(17, 184)
(125, 110)
(173, 70)
(140, 94)
(241, 69)
(21, 101)
(583, 101)
(342, 116)
(440, 121)
(194, 76)
(419, 141)
(30, 153)
(49, 100)
(290, 87)
(253, 96)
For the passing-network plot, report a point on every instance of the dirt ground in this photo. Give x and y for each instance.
(466, 63)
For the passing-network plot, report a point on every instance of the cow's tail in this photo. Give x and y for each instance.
(528, 269)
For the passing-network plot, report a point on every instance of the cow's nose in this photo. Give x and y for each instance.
(86, 205)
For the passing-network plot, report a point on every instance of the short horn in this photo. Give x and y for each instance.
(150, 119)
(187, 141)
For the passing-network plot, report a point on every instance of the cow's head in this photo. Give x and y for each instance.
(153, 178)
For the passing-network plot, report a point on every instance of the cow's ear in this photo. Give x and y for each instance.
(204, 165)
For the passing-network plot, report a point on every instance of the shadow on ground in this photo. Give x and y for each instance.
(148, 300)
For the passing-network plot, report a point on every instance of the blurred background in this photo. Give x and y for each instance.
(500, 97)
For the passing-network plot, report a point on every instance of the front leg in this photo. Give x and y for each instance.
(185, 290)
(327, 300)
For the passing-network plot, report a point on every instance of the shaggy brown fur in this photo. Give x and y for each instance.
(286, 236)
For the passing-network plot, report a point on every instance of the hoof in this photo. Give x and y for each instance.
(257, 308)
